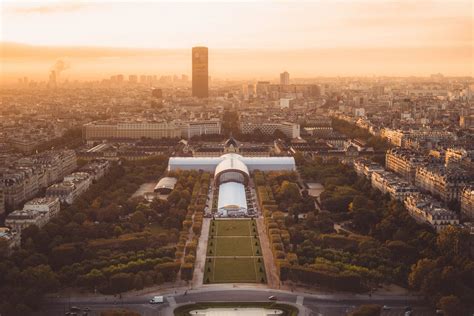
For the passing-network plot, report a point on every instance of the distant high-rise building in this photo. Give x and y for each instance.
(133, 78)
(52, 79)
(200, 72)
(285, 78)
(157, 93)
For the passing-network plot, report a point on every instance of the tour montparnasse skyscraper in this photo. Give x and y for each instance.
(200, 72)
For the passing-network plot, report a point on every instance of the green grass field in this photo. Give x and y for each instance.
(234, 270)
(233, 228)
(233, 246)
(234, 253)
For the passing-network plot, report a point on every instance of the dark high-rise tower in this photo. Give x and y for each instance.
(200, 72)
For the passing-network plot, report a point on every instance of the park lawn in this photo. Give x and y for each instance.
(234, 270)
(233, 246)
(233, 228)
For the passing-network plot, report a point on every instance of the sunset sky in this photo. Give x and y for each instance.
(247, 39)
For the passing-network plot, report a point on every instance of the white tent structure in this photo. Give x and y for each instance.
(231, 175)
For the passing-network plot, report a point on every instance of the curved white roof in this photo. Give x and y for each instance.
(193, 163)
(232, 196)
(245, 164)
(166, 183)
(270, 163)
(231, 162)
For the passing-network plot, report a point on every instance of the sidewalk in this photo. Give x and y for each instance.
(273, 279)
(198, 274)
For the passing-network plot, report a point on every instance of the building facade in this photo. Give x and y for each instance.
(388, 183)
(467, 202)
(426, 210)
(403, 162)
(437, 179)
(284, 78)
(72, 187)
(291, 130)
(105, 130)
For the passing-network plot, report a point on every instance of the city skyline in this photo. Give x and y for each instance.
(308, 39)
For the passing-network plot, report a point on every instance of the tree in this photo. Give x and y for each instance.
(121, 282)
(450, 305)
(4, 248)
(95, 278)
(419, 271)
(118, 230)
(138, 282)
(367, 310)
(453, 241)
(41, 278)
(138, 218)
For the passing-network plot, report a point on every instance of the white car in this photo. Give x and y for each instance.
(157, 300)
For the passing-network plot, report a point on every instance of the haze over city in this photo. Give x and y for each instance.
(247, 39)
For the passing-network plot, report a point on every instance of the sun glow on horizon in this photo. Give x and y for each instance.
(406, 32)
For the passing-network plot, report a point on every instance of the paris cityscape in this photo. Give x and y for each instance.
(257, 158)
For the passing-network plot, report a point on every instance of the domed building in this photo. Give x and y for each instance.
(232, 176)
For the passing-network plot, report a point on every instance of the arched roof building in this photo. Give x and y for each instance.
(231, 169)
(231, 176)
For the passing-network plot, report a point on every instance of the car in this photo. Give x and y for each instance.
(272, 298)
(157, 300)
(74, 309)
(386, 308)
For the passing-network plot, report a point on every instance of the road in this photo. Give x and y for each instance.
(317, 305)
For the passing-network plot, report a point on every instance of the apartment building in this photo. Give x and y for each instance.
(403, 162)
(395, 137)
(96, 168)
(441, 181)
(20, 219)
(388, 183)
(72, 187)
(18, 186)
(200, 127)
(365, 167)
(27, 176)
(467, 202)
(291, 130)
(425, 209)
(454, 155)
(415, 138)
(48, 205)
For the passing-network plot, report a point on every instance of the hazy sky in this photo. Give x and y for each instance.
(246, 38)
